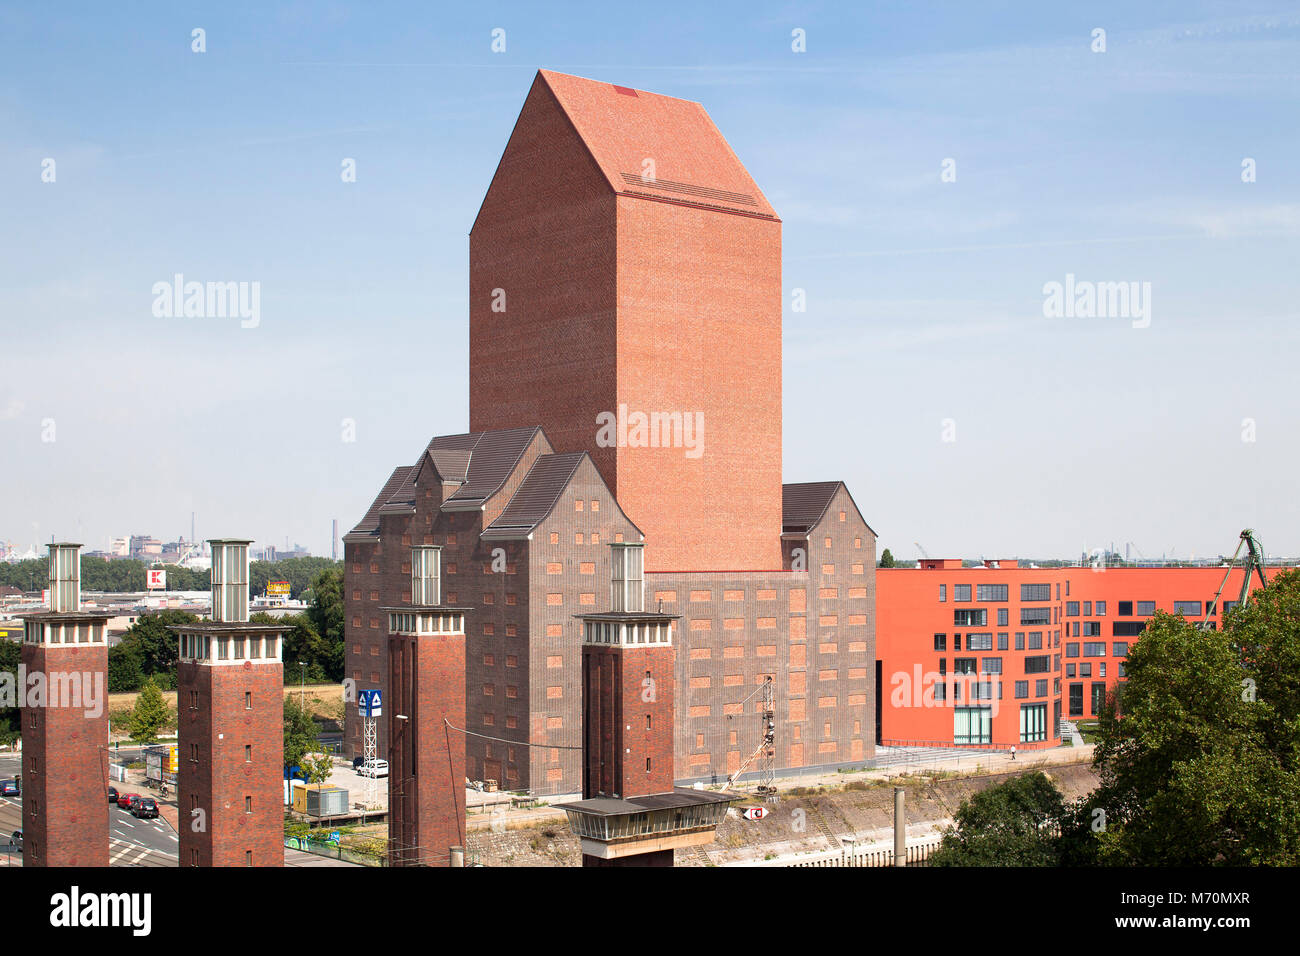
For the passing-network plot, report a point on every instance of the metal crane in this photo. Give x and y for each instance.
(766, 788)
(924, 553)
(1253, 561)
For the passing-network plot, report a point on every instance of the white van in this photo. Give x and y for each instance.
(374, 768)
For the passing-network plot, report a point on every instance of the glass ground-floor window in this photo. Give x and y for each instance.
(972, 725)
(1098, 698)
(1033, 722)
(1076, 700)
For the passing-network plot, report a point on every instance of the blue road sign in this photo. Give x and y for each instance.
(370, 703)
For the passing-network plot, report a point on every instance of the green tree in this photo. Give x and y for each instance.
(11, 656)
(30, 575)
(1201, 767)
(299, 572)
(150, 714)
(886, 559)
(317, 767)
(157, 644)
(1011, 824)
(303, 645)
(125, 667)
(299, 732)
(326, 616)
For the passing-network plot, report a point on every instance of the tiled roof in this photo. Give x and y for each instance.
(492, 457)
(536, 496)
(480, 461)
(622, 127)
(369, 524)
(402, 500)
(802, 505)
(452, 463)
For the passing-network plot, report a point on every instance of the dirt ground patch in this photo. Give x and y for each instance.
(799, 822)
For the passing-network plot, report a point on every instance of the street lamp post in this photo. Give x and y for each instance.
(302, 688)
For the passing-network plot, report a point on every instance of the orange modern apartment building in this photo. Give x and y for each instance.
(997, 655)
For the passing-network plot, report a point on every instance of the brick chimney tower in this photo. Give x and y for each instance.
(64, 726)
(230, 709)
(426, 686)
(630, 813)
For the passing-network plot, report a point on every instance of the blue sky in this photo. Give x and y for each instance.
(925, 298)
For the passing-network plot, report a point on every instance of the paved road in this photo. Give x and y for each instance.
(132, 842)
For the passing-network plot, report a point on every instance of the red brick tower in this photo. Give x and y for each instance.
(624, 264)
(426, 691)
(631, 814)
(64, 725)
(230, 704)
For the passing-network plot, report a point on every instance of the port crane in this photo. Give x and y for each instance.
(1252, 562)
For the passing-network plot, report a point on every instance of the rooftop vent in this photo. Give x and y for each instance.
(627, 585)
(229, 581)
(426, 576)
(65, 578)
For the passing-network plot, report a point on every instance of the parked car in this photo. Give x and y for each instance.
(112, 794)
(357, 763)
(124, 800)
(374, 768)
(144, 807)
(9, 788)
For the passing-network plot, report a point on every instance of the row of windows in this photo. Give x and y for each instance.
(1085, 669)
(1032, 640)
(997, 592)
(979, 690)
(1098, 701)
(1040, 688)
(255, 647)
(1043, 592)
(1073, 609)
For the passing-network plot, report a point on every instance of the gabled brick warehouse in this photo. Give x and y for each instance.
(626, 295)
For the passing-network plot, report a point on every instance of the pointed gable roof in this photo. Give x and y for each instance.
(804, 504)
(620, 128)
(537, 495)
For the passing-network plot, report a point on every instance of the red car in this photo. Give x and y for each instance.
(124, 800)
